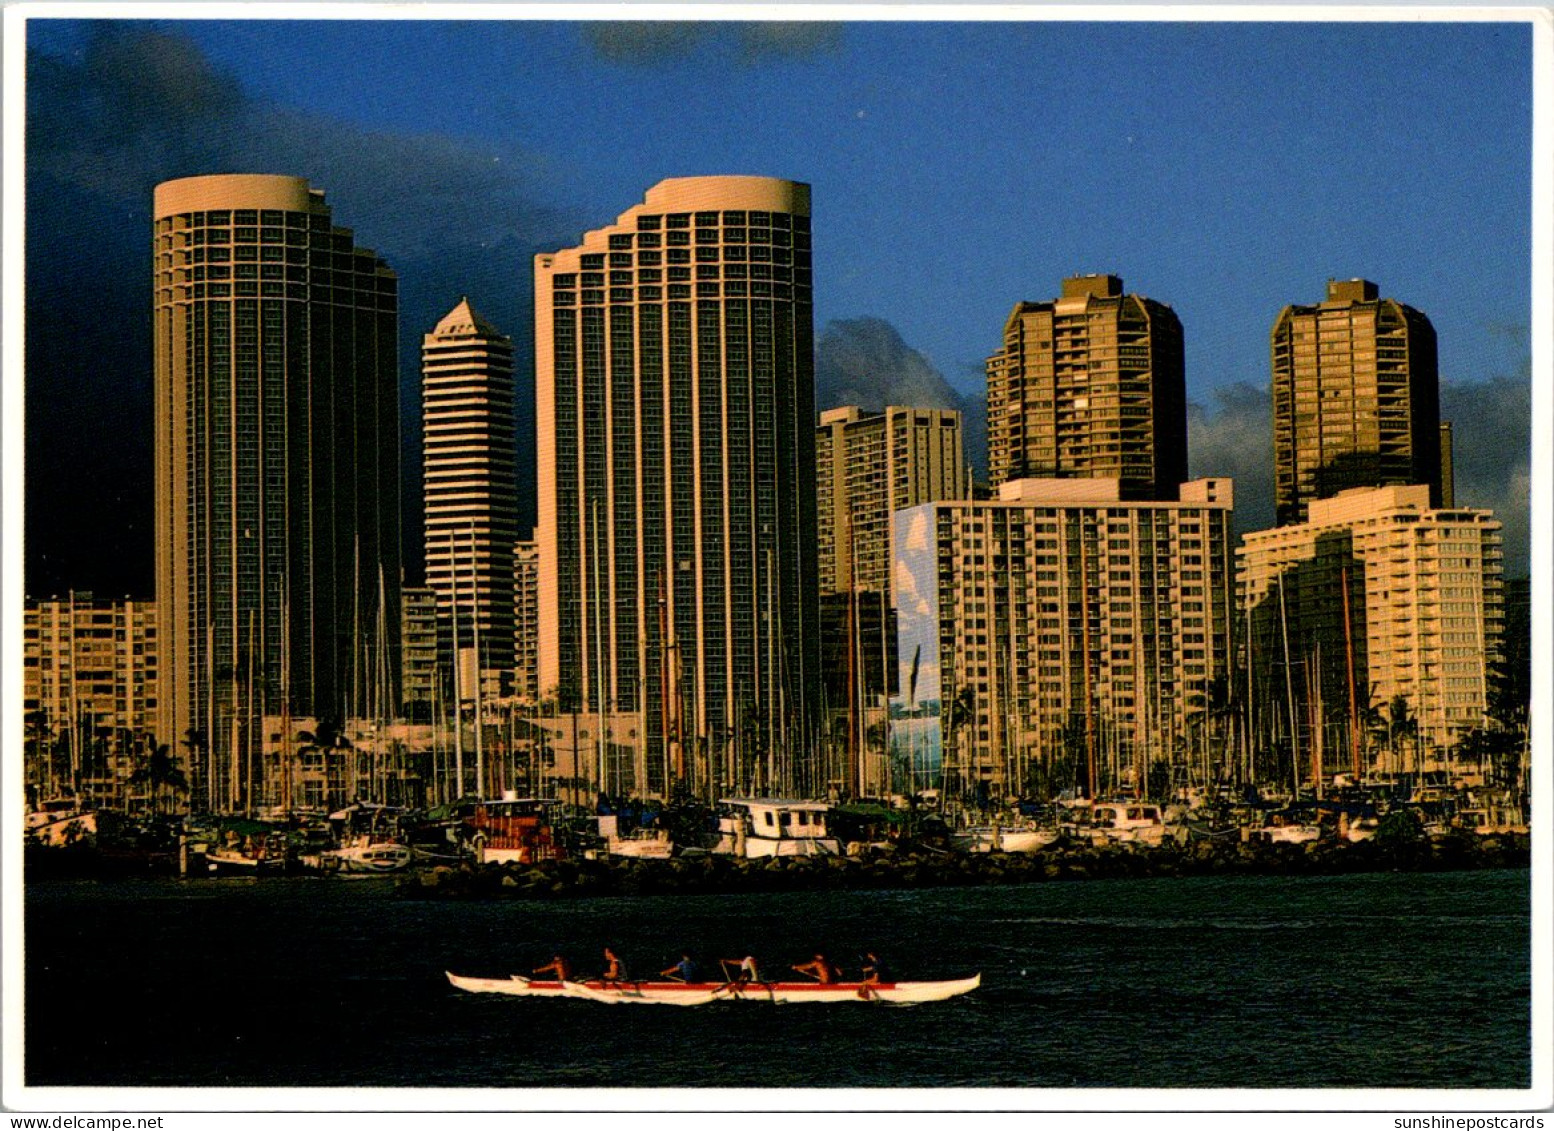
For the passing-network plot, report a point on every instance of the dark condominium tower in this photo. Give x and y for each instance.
(1090, 386)
(468, 465)
(1356, 398)
(277, 472)
(675, 393)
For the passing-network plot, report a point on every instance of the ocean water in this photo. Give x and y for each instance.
(1377, 981)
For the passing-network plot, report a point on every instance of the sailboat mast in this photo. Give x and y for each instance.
(1354, 711)
(480, 717)
(458, 691)
(599, 777)
(286, 800)
(1289, 687)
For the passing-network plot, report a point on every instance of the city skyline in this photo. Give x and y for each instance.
(212, 100)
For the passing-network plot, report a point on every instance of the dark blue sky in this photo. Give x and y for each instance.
(1224, 168)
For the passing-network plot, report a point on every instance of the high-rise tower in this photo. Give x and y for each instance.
(1356, 398)
(869, 465)
(471, 490)
(674, 375)
(277, 471)
(1090, 386)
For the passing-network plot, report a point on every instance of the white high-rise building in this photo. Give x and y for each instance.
(276, 381)
(674, 369)
(469, 470)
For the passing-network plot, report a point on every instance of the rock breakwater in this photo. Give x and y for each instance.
(912, 867)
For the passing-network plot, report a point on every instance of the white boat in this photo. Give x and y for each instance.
(1361, 828)
(761, 827)
(1288, 834)
(60, 822)
(370, 856)
(999, 838)
(238, 861)
(705, 993)
(1134, 822)
(643, 844)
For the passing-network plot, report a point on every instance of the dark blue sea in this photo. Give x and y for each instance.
(1376, 981)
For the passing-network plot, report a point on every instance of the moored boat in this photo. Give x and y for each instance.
(1133, 822)
(373, 856)
(760, 827)
(705, 993)
(1002, 838)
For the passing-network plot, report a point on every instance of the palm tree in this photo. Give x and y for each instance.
(40, 752)
(960, 712)
(198, 746)
(160, 772)
(1400, 725)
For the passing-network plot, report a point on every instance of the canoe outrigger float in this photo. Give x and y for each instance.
(704, 993)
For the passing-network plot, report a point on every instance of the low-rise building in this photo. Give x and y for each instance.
(89, 696)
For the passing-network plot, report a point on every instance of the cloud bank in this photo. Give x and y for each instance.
(866, 362)
(138, 106)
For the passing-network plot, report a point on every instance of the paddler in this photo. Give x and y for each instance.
(558, 966)
(745, 971)
(873, 975)
(684, 970)
(821, 969)
(614, 969)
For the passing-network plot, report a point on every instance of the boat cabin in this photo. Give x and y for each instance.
(754, 827)
(1131, 820)
(513, 831)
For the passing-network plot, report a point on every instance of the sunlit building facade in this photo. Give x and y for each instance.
(90, 685)
(1090, 385)
(1066, 638)
(1356, 398)
(676, 536)
(1377, 596)
(277, 470)
(869, 465)
(469, 469)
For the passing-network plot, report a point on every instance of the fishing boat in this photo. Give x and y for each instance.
(643, 844)
(1128, 822)
(760, 827)
(513, 830)
(705, 993)
(1288, 833)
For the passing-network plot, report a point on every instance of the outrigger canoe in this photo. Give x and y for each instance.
(704, 993)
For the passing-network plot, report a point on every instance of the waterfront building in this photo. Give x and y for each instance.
(526, 622)
(1090, 385)
(418, 651)
(277, 470)
(1379, 613)
(674, 377)
(1356, 398)
(471, 494)
(1067, 638)
(90, 685)
(868, 466)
